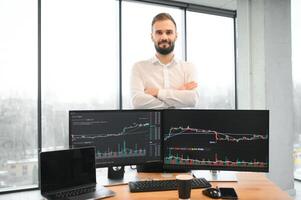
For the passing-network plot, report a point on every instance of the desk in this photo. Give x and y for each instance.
(250, 186)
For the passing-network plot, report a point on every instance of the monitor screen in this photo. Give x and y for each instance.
(121, 137)
(216, 139)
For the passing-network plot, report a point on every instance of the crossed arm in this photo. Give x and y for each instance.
(187, 86)
(184, 96)
(154, 98)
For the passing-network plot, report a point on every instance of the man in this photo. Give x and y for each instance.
(163, 81)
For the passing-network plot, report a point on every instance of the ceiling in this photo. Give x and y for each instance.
(224, 4)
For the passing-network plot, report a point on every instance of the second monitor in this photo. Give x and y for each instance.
(236, 140)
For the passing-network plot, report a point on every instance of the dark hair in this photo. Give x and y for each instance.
(163, 16)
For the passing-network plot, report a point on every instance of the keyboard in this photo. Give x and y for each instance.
(162, 185)
(74, 192)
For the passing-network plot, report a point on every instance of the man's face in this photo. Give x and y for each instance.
(164, 36)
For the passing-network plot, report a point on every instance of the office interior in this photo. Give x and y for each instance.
(262, 75)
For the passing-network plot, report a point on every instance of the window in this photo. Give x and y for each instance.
(213, 55)
(204, 46)
(79, 62)
(18, 90)
(136, 38)
(80, 68)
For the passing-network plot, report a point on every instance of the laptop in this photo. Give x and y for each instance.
(70, 174)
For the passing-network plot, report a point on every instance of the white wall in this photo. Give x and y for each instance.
(264, 75)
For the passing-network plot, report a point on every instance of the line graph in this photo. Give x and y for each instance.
(210, 148)
(130, 130)
(218, 136)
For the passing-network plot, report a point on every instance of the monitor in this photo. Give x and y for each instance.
(232, 140)
(121, 137)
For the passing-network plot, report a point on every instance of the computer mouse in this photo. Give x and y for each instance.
(213, 193)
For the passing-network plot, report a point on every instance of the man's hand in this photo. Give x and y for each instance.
(152, 91)
(188, 86)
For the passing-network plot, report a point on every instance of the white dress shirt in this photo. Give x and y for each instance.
(167, 78)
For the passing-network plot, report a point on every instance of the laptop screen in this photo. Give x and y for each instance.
(67, 169)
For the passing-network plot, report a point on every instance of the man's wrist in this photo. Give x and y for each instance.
(152, 91)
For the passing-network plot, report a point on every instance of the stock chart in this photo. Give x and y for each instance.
(118, 136)
(216, 140)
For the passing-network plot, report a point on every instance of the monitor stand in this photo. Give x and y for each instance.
(214, 175)
(158, 167)
(150, 167)
(116, 175)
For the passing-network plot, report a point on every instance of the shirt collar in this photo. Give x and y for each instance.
(155, 60)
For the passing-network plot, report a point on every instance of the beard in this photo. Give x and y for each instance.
(165, 50)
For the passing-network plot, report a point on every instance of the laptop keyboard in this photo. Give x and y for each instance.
(75, 192)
